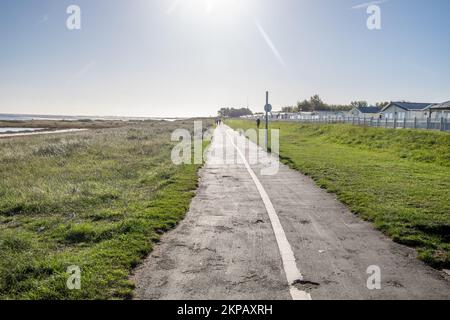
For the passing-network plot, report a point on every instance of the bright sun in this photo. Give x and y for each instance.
(207, 6)
(220, 4)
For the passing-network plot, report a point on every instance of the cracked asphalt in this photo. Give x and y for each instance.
(226, 248)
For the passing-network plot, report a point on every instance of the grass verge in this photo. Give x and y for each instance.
(397, 179)
(97, 199)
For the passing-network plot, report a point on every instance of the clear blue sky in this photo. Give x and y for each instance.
(190, 57)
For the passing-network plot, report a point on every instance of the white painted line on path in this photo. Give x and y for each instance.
(287, 255)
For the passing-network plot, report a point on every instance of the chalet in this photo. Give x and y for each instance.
(365, 112)
(406, 110)
(439, 111)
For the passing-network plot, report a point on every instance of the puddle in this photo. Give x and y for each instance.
(14, 130)
(305, 285)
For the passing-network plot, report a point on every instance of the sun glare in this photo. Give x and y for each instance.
(207, 6)
(211, 5)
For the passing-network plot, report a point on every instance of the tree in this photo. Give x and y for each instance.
(289, 109)
(304, 106)
(316, 103)
(382, 104)
(359, 104)
(234, 113)
(340, 107)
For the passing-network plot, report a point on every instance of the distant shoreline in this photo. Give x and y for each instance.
(22, 133)
(27, 117)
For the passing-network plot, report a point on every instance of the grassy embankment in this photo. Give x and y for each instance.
(398, 179)
(97, 199)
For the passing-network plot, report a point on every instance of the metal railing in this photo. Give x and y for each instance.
(441, 124)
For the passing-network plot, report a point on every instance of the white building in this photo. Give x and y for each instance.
(406, 110)
(365, 112)
(439, 111)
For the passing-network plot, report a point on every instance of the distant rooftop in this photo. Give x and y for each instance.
(410, 105)
(444, 105)
(369, 109)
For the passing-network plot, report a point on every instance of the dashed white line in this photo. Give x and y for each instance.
(287, 255)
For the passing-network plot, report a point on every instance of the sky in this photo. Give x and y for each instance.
(181, 58)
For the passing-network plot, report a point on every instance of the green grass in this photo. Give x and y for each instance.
(97, 199)
(397, 179)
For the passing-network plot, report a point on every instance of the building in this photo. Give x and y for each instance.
(406, 110)
(439, 111)
(365, 112)
(330, 114)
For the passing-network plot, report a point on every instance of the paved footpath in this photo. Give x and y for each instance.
(250, 236)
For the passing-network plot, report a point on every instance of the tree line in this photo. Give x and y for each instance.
(234, 113)
(315, 103)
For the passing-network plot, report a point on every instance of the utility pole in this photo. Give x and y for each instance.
(267, 108)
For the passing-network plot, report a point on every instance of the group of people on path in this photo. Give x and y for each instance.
(219, 122)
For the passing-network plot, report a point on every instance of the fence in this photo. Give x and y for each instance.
(441, 124)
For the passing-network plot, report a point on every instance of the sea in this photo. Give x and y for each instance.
(13, 130)
(26, 117)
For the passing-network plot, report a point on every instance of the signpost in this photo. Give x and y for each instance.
(267, 108)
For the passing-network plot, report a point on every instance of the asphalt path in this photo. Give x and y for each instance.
(253, 236)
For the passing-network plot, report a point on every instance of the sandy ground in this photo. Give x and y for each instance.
(226, 247)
